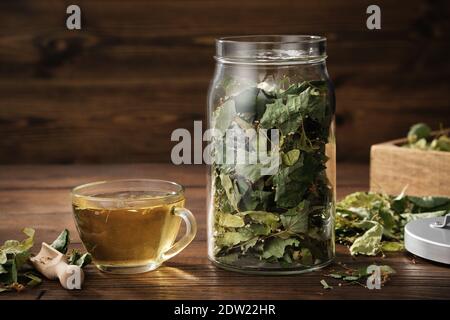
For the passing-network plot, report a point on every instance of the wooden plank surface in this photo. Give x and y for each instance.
(114, 91)
(38, 196)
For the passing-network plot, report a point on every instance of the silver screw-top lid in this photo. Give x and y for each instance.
(429, 238)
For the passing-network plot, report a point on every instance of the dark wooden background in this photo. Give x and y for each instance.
(114, 91)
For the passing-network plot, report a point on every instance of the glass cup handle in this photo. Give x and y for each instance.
(191, 231)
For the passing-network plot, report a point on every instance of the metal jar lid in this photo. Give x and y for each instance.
(429, 238)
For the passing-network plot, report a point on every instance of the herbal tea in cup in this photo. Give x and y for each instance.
(130, 226)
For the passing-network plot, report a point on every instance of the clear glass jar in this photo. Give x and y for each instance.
(271, 181)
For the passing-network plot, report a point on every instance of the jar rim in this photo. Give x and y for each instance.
(282, 38)
(271, 49)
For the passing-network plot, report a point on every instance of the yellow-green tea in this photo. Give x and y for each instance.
(119, 234)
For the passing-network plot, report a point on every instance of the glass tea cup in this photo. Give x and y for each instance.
(130, 226)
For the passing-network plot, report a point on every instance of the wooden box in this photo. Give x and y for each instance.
(426, 173)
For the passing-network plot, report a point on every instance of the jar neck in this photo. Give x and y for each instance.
(271, 50)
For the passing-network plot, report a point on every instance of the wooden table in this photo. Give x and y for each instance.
(38, 197)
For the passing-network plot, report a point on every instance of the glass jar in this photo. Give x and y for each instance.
(271, 180)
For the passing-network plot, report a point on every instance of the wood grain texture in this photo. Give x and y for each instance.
(139, 69)
(38, 196)
(424, 173)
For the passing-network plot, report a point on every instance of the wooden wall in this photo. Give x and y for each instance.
(114, 91)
